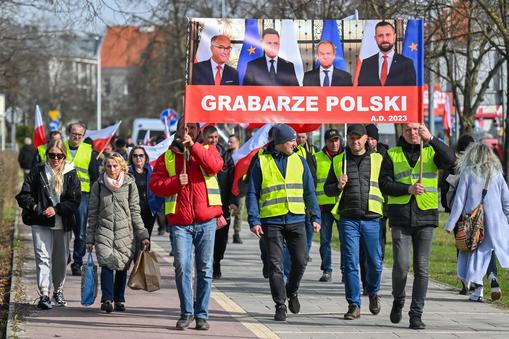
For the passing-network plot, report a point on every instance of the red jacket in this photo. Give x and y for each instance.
(192, 202)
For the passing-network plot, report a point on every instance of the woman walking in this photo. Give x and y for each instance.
(114, 222)
(50, 195)
(477, 166)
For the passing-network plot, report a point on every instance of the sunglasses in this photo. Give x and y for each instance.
(138, 155)
(54, 156)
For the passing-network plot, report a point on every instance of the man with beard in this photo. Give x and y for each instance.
(386, 68)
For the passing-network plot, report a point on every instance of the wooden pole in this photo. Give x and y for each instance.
(346, 145)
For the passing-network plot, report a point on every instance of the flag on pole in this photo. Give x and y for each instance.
(210, 28)
(242, 157)
(368, 46)
(157, 150)
(39, 134)
(413, 47)
(102, 137)
(330, 32)
(446, 120)
(146, 138)
(251, 48)
(289, 49)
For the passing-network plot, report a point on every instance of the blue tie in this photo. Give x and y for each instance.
(326, 80)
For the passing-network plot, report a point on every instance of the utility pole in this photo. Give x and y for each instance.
(99, 83)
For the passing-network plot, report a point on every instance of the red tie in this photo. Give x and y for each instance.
(217, 79)
(383, 73)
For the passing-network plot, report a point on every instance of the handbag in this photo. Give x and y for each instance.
(146, 274)
(470, 226)
(88, 281)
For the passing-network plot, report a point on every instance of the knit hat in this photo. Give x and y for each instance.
(372, 131)
(282, 133)
(357, 129)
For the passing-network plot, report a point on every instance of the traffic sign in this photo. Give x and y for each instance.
(54, 125)
(54, 115)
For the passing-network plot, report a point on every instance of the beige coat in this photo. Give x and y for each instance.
(114, 222)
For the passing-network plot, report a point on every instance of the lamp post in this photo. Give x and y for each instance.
(98, 82)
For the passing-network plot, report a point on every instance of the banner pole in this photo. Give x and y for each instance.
(346, 145)
(190, 61)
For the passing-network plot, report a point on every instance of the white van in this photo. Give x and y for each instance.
(142, 125)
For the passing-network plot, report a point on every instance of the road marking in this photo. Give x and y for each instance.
(227, 304)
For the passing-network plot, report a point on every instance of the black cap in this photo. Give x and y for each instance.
(331, 133)
(357, 129)
(372, 131)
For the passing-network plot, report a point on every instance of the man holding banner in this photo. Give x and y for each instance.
(409, 177)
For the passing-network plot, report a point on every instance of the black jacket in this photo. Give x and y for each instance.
(339, 78)
(410, 215)
(34, 198)
(401, 72)
(203, 75)
(257, 73)
(225, 180)
(355, 197)
(26, 156)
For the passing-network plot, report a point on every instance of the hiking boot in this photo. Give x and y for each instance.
(397, 308)
(59, 298)
(280, 314)
(44, 303)
(416, 323)
(107, 306)
(293, 303)
(326, 277)
(236, 239)
(184, 321)
(354, 312)
(202, 324)
(119, 307)
(496, 293)
(374, 304)
(76, 270)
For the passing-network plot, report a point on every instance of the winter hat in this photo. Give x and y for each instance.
(372, 131)
(282, 133)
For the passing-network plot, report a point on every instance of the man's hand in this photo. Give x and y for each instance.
(49, 212)
(183, 179)
(342, 181)
(424, 133)
(257, 229)
(145, 243)
(233, 208)
(416, 189)
(316, 227)
(90, 247)
(187, 141)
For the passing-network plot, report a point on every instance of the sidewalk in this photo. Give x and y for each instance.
(241, 306)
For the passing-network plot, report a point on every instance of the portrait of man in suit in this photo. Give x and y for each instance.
(326, 74)
(386, 68)
(215, 71)
(270, 69)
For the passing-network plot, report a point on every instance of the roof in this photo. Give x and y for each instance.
(126, 46)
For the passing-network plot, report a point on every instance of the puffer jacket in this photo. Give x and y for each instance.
(114, 222)
(192, 201)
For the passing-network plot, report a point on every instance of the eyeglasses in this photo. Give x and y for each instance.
(223, 48)
(77, 135)
(138, 155)
(54, 156)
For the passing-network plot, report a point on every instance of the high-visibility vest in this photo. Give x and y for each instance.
(42, 152)
(211, 183)
(81, 163)
(300, 150)
(405, 174)
(323, 163)
(280, 195)
(375, 197)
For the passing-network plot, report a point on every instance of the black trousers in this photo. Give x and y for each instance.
(221, 242)
(295, 237)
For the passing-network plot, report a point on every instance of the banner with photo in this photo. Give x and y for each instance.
(304, 71)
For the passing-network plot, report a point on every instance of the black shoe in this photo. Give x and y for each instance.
(354, 312)
(107, 306)
(184, 321)
(265, 271)
(464, 290)
(76, 270)
(280, 314)
(416, 323)
(397, 308)
(374, 304)
(202, 324)
(119, 307)
(216, 271)
(293, 303)
(236, 239)
(326, 277)
(59, 298)
(171, 253)
(44, 303)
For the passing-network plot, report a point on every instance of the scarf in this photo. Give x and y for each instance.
(112, 184)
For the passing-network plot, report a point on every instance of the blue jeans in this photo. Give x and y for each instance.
(309, 233)
(365, 232)
(80, 230)
(325, 242)
(113, 288)
(201, 236)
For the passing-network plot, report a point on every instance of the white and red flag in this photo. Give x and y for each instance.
(446, 119)
(368, 46)
(146, 139)
(102, 137)
(157, 150)
(242, 158)
(39, 135)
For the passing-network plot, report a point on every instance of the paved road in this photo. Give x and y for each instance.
(241, 307)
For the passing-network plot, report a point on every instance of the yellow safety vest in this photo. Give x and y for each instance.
(405, 174)
(375, 199)
(42, 152)
(280, 195)
(323, 163)
(213, 192)
(81, 163)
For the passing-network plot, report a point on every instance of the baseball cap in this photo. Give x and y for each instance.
(331, 133)
(357, 129)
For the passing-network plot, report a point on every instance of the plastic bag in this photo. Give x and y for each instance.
(88, 281)
(146, 274)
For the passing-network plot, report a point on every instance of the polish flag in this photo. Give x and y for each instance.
(289, 49)
(446, 119)
(103, 136)
(242, 157)
(157, 150)
(210, 28)
(39, 135)
(146, 138)
(368, 46)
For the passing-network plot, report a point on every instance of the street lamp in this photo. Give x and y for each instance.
(98, 82)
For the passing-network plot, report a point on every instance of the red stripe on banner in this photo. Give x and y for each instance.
(303, 105)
